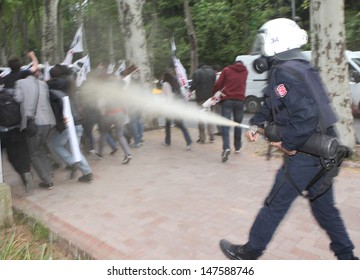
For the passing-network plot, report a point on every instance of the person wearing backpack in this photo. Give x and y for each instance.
(12, 139)
(291, 102)
(37, 118)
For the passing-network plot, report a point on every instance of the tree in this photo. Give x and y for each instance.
(328, 54)
(130, 16)
(192, 37)
(50, 51)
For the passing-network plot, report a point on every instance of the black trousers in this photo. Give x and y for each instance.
(17, 150)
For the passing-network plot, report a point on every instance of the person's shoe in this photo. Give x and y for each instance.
(126, 159)
(56, 165)
(235, 252)
(225, 155)
(113, 152)
(95, 154)
(48, 186)
(27, 179)
(86, 178)
(200, 141)
(212, 140)
(237, 151)
(188, 147)
(165, 144)
(74, 168)
(133, 145)
(218, 134)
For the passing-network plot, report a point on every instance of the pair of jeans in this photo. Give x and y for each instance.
(232, 109)
(299, 169)
(183, 129)
(137, 127)
(60, 141)
(117, 120)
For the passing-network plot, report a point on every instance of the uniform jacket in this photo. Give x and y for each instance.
(289, 102)
(26, 91)
(232, 82)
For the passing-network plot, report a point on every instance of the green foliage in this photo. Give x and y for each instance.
(224, 28)
(15, 245)
(352, 30)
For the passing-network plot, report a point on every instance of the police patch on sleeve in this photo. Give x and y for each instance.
(281, 90)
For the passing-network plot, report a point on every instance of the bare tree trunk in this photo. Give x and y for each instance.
(192, 37)
(130, 16)
(328, 54)
(50, 38)
(111, 44)
(60, 35)
(153, 32)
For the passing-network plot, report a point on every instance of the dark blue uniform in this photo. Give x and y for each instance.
(289, 102)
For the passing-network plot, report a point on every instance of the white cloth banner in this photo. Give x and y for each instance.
(122, 67)
(74, 144)
(82, 74)
(75, 47)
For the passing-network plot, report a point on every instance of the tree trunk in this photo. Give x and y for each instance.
(130, 16)
(50, 38)
(111, 45)
(328, 54)
(192, 37)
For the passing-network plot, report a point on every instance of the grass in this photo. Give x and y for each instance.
(29, 239)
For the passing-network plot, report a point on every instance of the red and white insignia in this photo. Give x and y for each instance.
(281, 90)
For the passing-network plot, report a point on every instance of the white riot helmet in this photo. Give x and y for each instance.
(279, 35)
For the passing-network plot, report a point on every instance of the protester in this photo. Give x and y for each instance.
(12, 138)
(169, 88)
(291, 101)
(37, 120)
(202, 82)
(232, 84)
(61, 85)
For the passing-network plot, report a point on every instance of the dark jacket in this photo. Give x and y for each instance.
(232, 82)
(60, 87)
(202, 82)
(289, 102)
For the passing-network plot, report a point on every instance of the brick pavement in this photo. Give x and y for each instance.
(172, 204)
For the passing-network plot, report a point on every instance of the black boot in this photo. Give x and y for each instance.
(235, 252)
(27, 179)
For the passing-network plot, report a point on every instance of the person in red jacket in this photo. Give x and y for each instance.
(232, 84)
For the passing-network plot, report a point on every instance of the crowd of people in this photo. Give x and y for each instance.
(46, 130)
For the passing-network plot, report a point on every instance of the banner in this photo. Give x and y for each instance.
(180, 73)
(82, 74)
(74, 144)
(75, 47)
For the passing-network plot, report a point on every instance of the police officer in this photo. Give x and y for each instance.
(289, 102)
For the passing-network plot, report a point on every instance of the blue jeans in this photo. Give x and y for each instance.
(232, 108)
(183, 129)
(300, 168)
(60, 141)
(137, 127)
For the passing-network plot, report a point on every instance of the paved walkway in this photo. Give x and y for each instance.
(172, 204)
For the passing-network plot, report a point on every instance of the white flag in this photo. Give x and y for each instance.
(110, 68)
(77, 43)
(81, 75)
(122, 67)
(6, 72)
(75, 47)
(180, 73)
